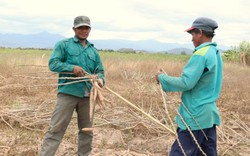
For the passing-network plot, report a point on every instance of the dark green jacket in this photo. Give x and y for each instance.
(70, 52)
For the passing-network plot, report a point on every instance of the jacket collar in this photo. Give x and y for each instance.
(205, 44)
(77, 40)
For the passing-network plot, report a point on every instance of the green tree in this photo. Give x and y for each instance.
(233, 55)
(244, 46)
(183, 53)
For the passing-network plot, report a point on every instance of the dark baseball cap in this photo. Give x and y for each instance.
(81, 21)
(203, 23)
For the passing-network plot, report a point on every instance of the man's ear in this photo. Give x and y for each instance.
(200, 33)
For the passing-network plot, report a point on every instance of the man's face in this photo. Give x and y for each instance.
(196, 38)
(82, 32)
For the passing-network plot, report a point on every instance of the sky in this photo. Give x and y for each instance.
(161, 20)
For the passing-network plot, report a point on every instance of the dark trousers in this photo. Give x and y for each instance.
(191, 149)
(63, 111)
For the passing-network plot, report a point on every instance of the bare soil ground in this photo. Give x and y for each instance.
(28, 94)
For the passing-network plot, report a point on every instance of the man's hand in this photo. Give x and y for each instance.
(157, 74)
(79, 71)
(156, 78)
(100, 82)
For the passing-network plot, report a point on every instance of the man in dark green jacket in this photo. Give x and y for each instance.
(73, 57)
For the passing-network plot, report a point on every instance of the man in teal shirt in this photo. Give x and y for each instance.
(200, 84)
(73, 57)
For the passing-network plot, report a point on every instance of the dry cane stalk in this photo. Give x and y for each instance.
(140, 110)
(165, 105)
(6, 122)
(49, 78)
(92, 102)
(190, 132)
(232, 146)
(194, 120)
(6, 151)
(46, 85)
(95, 96)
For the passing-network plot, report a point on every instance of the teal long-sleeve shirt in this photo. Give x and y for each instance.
(200, 84)
(69, 53)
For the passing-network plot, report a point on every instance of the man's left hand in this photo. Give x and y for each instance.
(100, 82)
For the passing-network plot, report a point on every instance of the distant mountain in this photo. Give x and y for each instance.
(180, 51)
(48, 40)
(40, 40)
(148, 45)
(143, 45)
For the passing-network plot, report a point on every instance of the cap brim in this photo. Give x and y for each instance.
(189, 29)
(83, 24)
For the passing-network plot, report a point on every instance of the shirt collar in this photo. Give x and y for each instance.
(205, 44)
(77, 40)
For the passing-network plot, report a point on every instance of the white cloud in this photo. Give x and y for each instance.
(163, 20)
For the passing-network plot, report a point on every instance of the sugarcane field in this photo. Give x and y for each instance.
(131, 114)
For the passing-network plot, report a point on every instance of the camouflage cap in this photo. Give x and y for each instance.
(81, 21)
(204, 23)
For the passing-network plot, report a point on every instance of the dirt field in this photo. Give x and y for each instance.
(28, 93)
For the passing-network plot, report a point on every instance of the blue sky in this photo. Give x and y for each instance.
(162, 20)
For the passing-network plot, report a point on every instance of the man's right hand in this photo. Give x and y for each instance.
(157, 75)
(79, 71)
